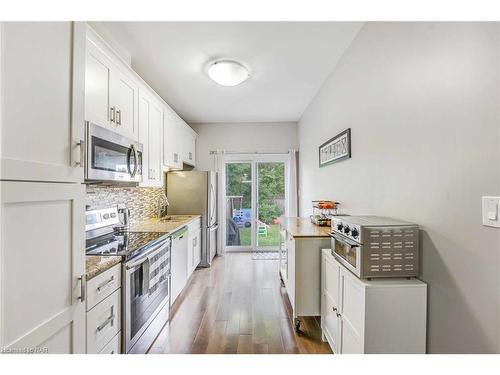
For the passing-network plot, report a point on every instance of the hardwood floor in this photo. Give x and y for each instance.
(237, 306)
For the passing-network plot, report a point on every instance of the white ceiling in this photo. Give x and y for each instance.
(288, 61)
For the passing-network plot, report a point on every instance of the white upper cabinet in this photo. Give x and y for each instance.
(172, 140)
(97, 89)
(124, 101)
(42, 90)
(188, 144)
(150, 135)
(111, 95)
(118, 99)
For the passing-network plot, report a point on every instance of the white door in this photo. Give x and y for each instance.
(42, 90)
(352, 314)
(171, 140)
(124, 98)
(43, 256)
(97, 87)
(150, 135)
(330, 274)
(155, 144)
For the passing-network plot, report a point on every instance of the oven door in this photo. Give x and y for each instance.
(112, 157)
(146, 290)
(347, 252)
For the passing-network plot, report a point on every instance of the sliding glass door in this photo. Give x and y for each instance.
(255, 197)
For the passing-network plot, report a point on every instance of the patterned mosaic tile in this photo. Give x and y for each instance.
(142, 202)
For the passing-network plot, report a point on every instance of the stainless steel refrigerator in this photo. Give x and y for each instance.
(195, 193)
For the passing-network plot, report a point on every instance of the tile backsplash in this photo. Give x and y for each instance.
(142, 202)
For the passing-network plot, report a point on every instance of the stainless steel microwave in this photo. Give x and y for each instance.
(111, 157)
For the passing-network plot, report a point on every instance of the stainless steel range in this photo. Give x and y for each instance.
(145, 275)
(374, 246)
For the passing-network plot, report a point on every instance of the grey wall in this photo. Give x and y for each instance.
(422, 102)
(242, 137)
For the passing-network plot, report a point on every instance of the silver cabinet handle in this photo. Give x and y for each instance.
(112, 114)
(106, 284)
(81, 162)
(119, 117)
(338, 315)
(334, 309)
(107, 321)
(83, 288)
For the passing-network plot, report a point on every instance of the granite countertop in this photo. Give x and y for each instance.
(96, 264)
(162, 225)
(301, 227)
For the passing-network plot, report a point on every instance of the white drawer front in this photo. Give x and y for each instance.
(114, 346)
(103, 322)
(103, 285)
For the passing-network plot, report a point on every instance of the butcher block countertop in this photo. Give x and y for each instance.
(301, 227)
(167, 224)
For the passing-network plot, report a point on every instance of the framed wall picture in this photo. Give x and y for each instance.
(335, 149)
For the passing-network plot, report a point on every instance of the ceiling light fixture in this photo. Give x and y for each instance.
(228, 72)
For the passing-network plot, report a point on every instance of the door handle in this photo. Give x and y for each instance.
(112, 114)
(107, 321)
(119, 117)
(106, 284)
(81, 145)
(334, 309)
(83, 288)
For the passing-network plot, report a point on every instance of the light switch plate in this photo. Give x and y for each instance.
(491, 205)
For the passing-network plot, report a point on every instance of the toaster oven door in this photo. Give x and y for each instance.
(347, 252)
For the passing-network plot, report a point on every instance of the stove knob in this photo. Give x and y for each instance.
(354, 232)
(347, 230)
(340, 226)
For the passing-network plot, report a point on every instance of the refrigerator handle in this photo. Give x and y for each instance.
(213, 207)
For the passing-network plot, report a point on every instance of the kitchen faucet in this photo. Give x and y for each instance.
(163, 204)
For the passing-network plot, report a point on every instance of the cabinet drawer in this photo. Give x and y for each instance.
(114, 346)
(103, 285)
(103, 322)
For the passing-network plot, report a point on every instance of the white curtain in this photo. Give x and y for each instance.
(219, 167)
(292, 183)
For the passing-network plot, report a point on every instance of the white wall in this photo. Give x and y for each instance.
(422, 102)
(242, 137)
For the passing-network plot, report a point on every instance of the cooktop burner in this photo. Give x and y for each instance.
(126, 245)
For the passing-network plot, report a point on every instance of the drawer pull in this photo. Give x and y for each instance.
(106, 322)
(338, 315)
(334, 309)
(106, 284)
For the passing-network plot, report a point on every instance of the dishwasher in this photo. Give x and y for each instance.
(179, 259)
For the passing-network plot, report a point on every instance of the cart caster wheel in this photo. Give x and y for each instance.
(297, 325)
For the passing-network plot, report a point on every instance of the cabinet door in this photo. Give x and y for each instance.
(197, 249)
(352, 312)
(330, 307)
(97, 87)
(190, 254)
(40, 288)
(124, 98)
(42, 89)
(155, 144)
(171, 140)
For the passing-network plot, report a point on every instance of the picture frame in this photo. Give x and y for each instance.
(335, 149)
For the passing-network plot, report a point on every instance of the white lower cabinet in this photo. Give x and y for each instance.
(40, 285)
(179, 261)
(104, 312)
(194, 245)
(371, 316)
